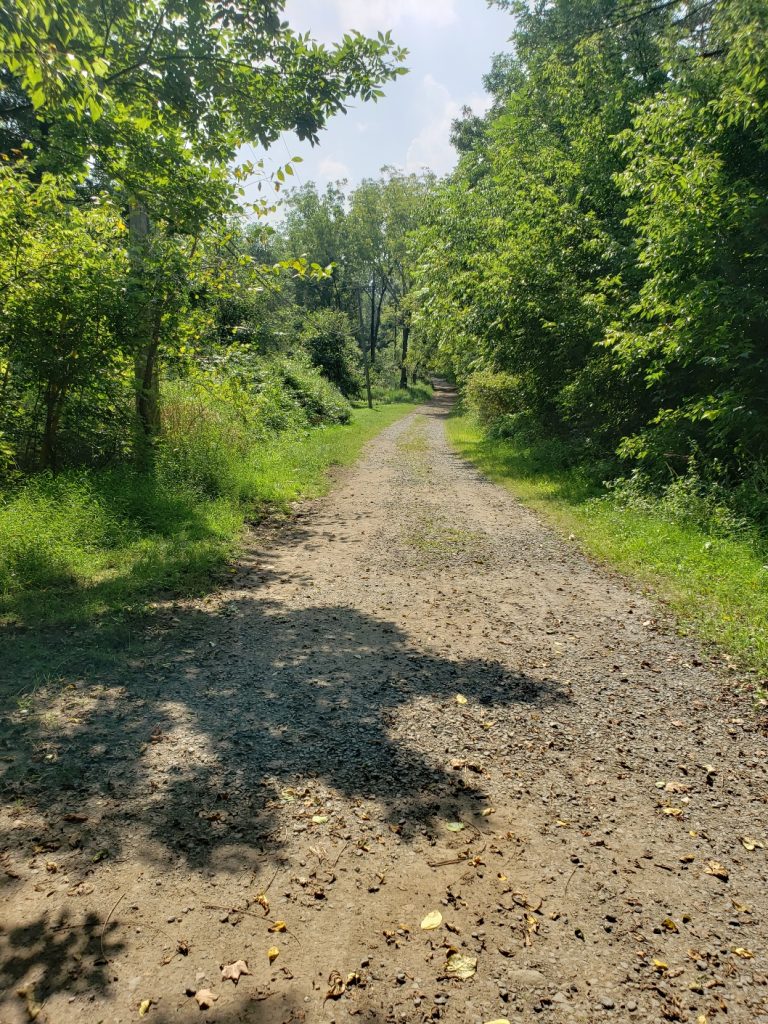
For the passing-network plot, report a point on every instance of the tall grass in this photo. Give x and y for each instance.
(710, 568)
(101, 543)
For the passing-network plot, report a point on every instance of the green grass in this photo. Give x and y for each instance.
(94, 545)
(716, 585)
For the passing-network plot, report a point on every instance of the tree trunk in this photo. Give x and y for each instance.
(404, 356)
(372, 331)
(366, 364)
(144, 326)
(54, 401)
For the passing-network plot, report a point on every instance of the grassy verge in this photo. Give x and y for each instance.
(716, 585)
(88, 546)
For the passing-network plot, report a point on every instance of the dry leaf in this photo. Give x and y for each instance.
(740, 908)
(674, 812)
(660, 966)
(233, 971)
(144, 1007)
(319, 819)
(460, 966)
(714, 867)
(488, 811)
(263, 902)
(433, 920)
(273, 953)
(277, 926)
(460, 698)
(751, 844)
(455, 826)
(500, 1020)
(669, 925)
(205, 998)
(745, 954)
(336, 986)
(687, 858)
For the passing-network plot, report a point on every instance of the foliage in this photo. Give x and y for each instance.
(328, 338)
(707, 565)
(601, 241)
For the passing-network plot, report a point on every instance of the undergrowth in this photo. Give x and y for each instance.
(708, 563)
(100, 543)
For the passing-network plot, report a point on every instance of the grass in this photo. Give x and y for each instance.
(94, 545)
(716, 585)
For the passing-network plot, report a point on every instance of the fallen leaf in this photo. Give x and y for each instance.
(460, 966)
(674, 812)
(433, 920)
(499, 1020)
(660, 966)
(669, 925)
(336, 986)
(455, 826)
(144, 1007)
(714, 867)
(353, 978)
(205, 998)
(740, 908)
(277, 926)
(273, 953)
(460, 698)
(488, 811)
(751, 844)
(687, 858)
(319, 819)
(745, 954)
(233, 971)
(263, 902)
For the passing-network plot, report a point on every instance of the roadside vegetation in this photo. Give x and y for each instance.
(710, 568)
(594, 277)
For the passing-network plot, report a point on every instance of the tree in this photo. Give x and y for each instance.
(159, 97)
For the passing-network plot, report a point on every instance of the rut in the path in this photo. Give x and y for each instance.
(411, 697)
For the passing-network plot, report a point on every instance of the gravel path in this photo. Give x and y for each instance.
(413, 697)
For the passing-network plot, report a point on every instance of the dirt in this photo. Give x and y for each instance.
(412, 696)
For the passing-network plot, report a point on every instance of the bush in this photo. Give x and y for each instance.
(493, 398)
(330, 342)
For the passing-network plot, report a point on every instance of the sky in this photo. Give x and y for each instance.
(450, 44)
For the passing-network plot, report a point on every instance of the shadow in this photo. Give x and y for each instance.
(211, 738)
(67, 955)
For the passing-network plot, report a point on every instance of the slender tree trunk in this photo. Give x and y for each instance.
(144, 326)
(404, 356)
(372, 330)
(366, 364)
(54, 403)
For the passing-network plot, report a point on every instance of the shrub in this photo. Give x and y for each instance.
(492, 397)
(328, 338)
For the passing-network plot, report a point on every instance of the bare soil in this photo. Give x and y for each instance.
(412, 696)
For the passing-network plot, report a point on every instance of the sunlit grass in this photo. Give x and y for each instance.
(86, 545)
(717, 586)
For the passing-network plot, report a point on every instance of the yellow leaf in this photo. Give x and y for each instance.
(144, 1007)
(751, 844)
(277, 926)
(433, 920)
(460, 698)
(687, 858)
(669, 925)
(273, 953)
(714, 867)
(745, 954)
(500, 1020)
(675, 812)
(319, 819)
(488, 811)
(460, 966)
(660, 966)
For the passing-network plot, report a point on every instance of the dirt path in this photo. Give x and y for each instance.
(411, 698)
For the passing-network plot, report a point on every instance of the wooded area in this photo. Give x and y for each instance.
(595, 271)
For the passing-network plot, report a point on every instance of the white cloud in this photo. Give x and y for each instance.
(368, 16)
(333, 170)
(432, 146)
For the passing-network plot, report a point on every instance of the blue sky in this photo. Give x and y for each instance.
(450, 42)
